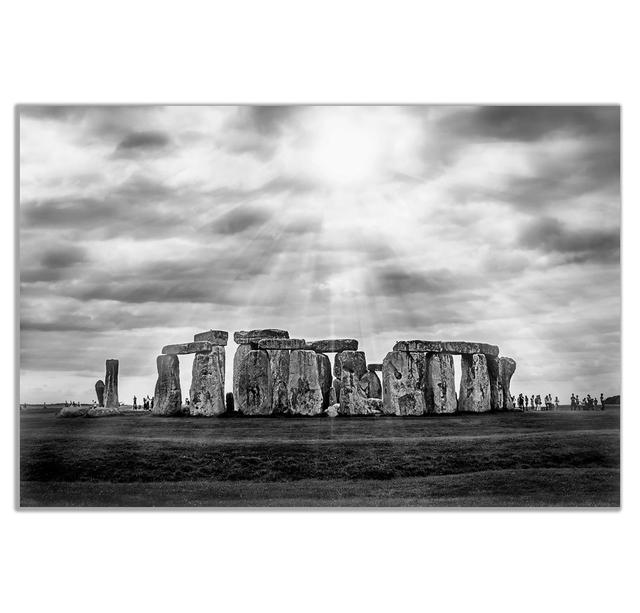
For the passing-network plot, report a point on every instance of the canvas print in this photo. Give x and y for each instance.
(312, 306)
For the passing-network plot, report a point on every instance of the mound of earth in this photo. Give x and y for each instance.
(73, 412)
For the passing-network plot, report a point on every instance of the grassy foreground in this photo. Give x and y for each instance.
(532, 459)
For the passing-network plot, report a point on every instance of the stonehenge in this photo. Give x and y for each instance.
(276, 375)
(100, 392)
(111, 385)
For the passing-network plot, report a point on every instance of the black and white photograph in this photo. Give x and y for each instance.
(319, 305)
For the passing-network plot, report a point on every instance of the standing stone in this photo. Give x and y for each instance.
(305, 393)
(279, 364)
(168, 395)
(370, 384)
(241, 353)
(100, 392)
(506, 368)
(111, 385)
(493, 366)
(353, 400)
(229, 402)
(336, 390)
(254, 384)
(332, 394)
(475, 391)
(326, 378)
(357, 358)
(207, 383)
(403, 382)
(440, 394)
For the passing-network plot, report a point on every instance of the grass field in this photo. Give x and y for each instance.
(553, 458)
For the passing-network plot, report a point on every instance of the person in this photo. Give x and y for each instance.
(533, 402)
(526, 402)
(135, 403)
(601, 402)
(520, 402)
(186, 400)
(152, 402)
(557, 403)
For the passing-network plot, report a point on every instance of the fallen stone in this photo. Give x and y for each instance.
(73, 412)
(356, 359)
(207, 383)
(241, 353)
(333, 345)
(326, 378)
(168, 395)
(102, 412)
(332, 411)
(279, 364)
(374, 367)
(507, 366)
(254, 384)
(111, 384)
(243, 337)
(495, 387)
(100, 392)
(370, 384)
(475, 391)
(281, 343)
(305, 393)
(440, 393)
(184, 348)
(215, 337)
(403, 382)
(453, 347)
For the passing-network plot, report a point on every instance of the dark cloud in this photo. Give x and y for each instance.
(578, 245)
(144, 141)
(63, 256)
(240, 219)
(268, 119)
(50, 112)
(530, 123)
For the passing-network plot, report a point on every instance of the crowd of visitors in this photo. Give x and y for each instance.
(535, 403)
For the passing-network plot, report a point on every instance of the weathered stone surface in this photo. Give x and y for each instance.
(254, 384)
(440, 392)
(184, 348)
(305, 393)
(279, 364)
(102, 412)
(336, 390)
(241, 353)
(333, 345)
(374, 406)
(332, 411)
(333, 399)
(207, 383)
(403, 382)
(111, 384)
(373, 367)
(353, 400)
(168, 395)
(243, 337)
(356, 359)
(454, 347)
(100, 392)
(73, 412)
(215, 337)
(370, 384)
(495, 387)
(326, 378)
(506, 367)
(475, 391)
(281, 343)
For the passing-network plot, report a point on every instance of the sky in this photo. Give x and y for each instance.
(140, 226)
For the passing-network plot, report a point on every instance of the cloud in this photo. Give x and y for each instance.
(144, 141)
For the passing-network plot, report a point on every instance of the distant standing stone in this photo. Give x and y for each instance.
(332, 393)
(507, 366)
(356, 359)
(326, 378)
(111, 385)
(207, 383)
(254, 384)
(305, 393)
(100, 392)
(215, 337)
(279, 364)
(475, 391)
(440, 394)
(336, 390)
(374, 367)
(229, 402)
(370, 383)
(353, 400)
(404, 381)
(495, 386)
(168, 395)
